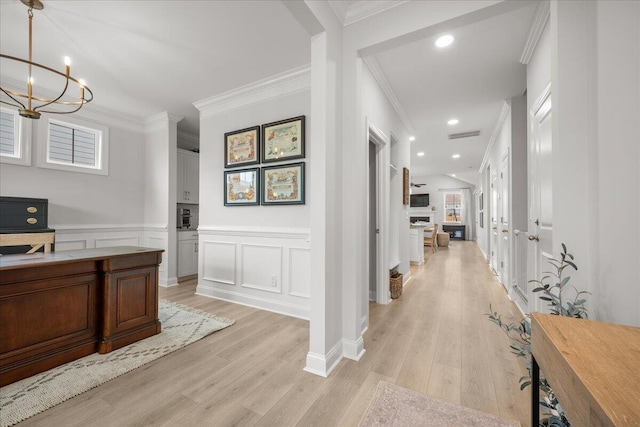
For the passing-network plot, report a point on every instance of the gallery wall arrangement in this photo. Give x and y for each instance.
(281, 184)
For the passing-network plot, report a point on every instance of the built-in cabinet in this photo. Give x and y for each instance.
(416, 240)
(188, 175)
(187, 253)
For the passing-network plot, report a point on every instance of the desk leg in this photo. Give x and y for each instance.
(535, 393)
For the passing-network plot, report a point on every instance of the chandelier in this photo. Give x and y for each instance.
(32, 106)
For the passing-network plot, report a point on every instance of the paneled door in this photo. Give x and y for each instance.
(494, 249)
(504, 234)
(540, 191)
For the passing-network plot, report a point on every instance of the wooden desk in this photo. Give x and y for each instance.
(593, 368)
(57, 307)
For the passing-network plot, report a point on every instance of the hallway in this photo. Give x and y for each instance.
(434, 339)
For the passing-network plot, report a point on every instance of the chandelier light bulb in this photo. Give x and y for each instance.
(67, 61)
(82, 82)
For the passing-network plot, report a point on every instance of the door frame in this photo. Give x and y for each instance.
(505, 252)
(381, 142)
(538, 256)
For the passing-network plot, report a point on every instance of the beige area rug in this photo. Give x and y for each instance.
(181, 326)
(395, 406)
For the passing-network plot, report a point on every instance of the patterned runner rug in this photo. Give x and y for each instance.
(181, 326)
(395, 406)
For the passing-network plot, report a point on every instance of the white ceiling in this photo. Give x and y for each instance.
(145, 57)
(467, 80)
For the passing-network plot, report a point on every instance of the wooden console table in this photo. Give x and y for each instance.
(59, 306)
(593, 368)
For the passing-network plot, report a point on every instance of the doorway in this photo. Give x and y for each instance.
(373, 223)
(378, 216)
(540, 189)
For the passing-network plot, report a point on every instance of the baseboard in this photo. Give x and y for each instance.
(279, 307)
(323, 365)
(168, 282)
(406, 278)
(353, 350)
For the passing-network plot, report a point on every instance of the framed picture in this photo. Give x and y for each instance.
(241, 187)
(283, 140)
(242, 147)
(283, 185)
(405, 186)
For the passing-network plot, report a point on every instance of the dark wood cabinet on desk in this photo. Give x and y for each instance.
(24, 222)
(58, 307)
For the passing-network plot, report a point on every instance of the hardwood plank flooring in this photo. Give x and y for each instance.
(434, 339)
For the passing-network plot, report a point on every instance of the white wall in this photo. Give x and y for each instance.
(160, 192)
(78, 199)
(591, 54)
(617, 159)
(380, 112)
(254, 255)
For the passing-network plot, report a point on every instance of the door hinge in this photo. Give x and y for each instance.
(501, 264)
(500, 174)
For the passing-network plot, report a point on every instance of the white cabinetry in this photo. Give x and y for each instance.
(187, 253)
(188, 175)
(416, 239)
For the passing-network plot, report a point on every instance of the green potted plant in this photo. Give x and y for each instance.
(554, 290)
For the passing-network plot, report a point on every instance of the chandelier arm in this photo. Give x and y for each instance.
(29, 110)
(65, 112)
(47, 100)
(53, 101)
(9, 95)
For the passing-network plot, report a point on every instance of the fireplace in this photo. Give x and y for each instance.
(415, 219)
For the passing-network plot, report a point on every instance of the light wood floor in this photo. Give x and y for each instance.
(434, 339)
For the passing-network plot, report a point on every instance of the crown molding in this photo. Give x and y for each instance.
(540, 19)
(188, 137)
(160, 121)
(365, 9)
(91, 111)
(378, 74)
(277, 86)
(504, 113)
(340, 9)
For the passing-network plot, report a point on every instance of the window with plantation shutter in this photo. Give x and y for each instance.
(8, 135)
(75, 145)
(15, 138)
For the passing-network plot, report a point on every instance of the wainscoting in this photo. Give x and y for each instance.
(260, 267)
(70, 237)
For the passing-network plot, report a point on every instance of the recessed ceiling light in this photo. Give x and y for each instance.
(412, 138)
(453, 175)
(453, 122)
(420, 154)
(444, 41)
(456, 156)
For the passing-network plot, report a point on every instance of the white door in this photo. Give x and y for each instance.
(540, 190)
(493, 209)
(504, 235)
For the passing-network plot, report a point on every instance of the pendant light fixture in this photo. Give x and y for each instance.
(30, 105)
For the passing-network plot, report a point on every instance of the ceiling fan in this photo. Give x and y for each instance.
(416, 185)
